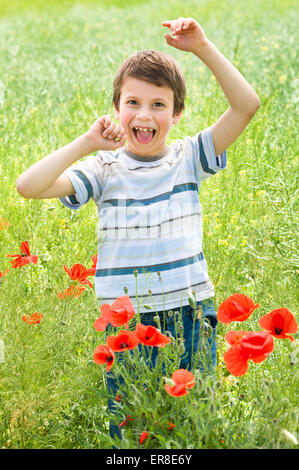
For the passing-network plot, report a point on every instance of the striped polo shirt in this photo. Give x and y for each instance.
(150, 221)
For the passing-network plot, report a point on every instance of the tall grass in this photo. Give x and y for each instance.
(57, 64)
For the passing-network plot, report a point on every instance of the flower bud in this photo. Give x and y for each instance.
(209, 331)
(181, 348)
(212, 408)
(168, 381)
(157, 320)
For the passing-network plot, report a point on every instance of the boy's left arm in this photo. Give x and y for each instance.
(187, 35)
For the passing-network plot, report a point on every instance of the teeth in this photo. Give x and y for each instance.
(144, 129)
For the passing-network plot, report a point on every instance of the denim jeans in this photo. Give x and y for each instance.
(194, 321)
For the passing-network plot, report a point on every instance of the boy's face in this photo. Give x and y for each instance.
(146, 113)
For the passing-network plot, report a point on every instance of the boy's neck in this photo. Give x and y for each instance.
(149, 158)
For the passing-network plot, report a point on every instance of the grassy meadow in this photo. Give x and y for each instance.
(57, 64)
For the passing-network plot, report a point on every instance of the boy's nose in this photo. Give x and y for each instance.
(144, 113)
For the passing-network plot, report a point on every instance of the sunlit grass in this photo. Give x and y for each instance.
(56, 72)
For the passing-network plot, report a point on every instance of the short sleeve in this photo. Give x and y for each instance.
(86, 177)
(201, 149)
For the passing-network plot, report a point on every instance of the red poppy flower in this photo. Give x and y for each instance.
(118, 314)
(183, 380)
(33, 319)
(72, 291)
(128, 418)
(79, 273)
(24, 258)
(4, 272)
(254, 346)
(150, 336)
(124, 340)
(170, 425)
(144, 435)
(94, 265)
(279, 322)
(234, 337)
(237, 307)
(104, 355)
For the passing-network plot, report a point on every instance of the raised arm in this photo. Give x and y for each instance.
(187, 35)
(45, 180)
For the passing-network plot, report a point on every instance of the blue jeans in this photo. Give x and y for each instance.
(193, 321)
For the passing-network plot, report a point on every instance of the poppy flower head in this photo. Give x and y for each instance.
(73, 291)
(33, 319)
(118, 314)
(170, 425)
(79, 273)
(255, 346)
(183, 380)
(104, 355)
(123, 341)
(144, 435)
(237, 307)
(150, 336)
(279, 322)
(24, 258)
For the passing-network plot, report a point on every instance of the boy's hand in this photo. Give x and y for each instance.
(187, 34)
(105, 134)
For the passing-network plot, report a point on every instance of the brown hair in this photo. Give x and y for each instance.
(155, 67)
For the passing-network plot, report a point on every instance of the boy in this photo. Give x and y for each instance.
(147, 192)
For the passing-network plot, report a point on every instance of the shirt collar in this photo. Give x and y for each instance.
(146, 159)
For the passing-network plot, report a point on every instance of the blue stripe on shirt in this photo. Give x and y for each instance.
(85, 182)
(161, 197)
(203, 159)
(154, 268)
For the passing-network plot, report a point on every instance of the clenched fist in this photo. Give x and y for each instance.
(105, 134)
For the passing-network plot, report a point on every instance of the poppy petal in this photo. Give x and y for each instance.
(279, 322)
(150, 336)
(104, 355)
(176, 390)
(144, 435)
(236, 361)
(257, 344)
(237, 307)
(234, 337)
(183, 376)
(100, 324)
(25, 248)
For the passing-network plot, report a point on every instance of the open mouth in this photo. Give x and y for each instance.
(144, 135)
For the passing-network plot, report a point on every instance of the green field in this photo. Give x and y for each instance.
(57, 64)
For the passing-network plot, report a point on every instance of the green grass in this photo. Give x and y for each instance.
(57, 63)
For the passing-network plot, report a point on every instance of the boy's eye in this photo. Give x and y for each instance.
(158, 104)
(133, 102)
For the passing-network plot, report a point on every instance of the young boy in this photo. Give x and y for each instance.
(147, 192)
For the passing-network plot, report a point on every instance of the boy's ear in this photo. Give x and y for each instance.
(177, 117)
(116, 112)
